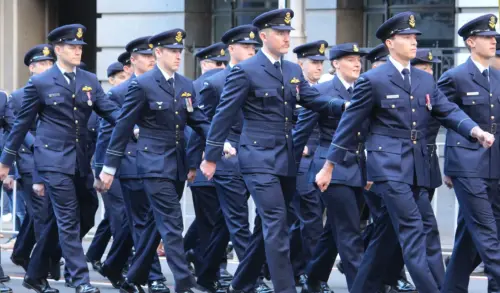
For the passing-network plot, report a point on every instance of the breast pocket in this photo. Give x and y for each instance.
(392, 104)
(473, 100)
(54, 101)
(266, 98)
(161, 112)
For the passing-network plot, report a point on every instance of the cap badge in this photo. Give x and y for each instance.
(222, 52)
(150, 46)
(355, 48)
(429, 56)
(411, 21)
(178, 37)
(493, 22)
(251, 35)
(288, 18)
(46, 51)
(322, 49)
(79, 33)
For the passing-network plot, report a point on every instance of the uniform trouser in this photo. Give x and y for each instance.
(232, 205)
(101, 239)
(64, 192)
(191, 239)
(210, 225)
(35, 220)
(476, 234)
(308, 227)
(122, 236)
(141, 222)
(164, 195)
(270, 241)
(399, 218)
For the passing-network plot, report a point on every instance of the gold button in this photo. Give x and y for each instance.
(76, 121)
(413, 110)
(74, 108)
(379, 147)
(176, 113)
(177, 126)
(176, 142)
(265, 94)
(359, 133)
(129, 153)
(414, 142)
(77, 140)
(286, 136)
(458, 142)
(93, 129)
(393, 106)
(282, 87)
(286, 118)
(159, 107)
(145, 148)
(492, 117)
(473, 102)
(175, 100)
(414, 123)
(286, 103)
(491, 95)
(73, 96)
(46, 145)
(357, 152)
(55, 103)
(23, 150)
(254, 142)
(411, 97)
(492, 105)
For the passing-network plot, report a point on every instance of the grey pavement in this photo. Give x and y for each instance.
(478, 284)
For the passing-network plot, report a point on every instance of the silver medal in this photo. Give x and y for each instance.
(89, 102)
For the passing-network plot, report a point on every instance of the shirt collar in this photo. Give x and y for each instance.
(271, 58)
(165, 74)
(479, 66)
(62, 70)
(398, 65)
(345, 83)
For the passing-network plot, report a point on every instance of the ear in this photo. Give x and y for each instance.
(263, 35)
(31, 67)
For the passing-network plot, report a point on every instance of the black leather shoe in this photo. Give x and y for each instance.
(130, 288)
(300, 280)
(96, 265)
(405, 286)
(447, 260)
(157, 287)
(4, 279)
(262, 288)
(87, 288)
(116, 279)
(20, 262)
(212, 287)
(311, 286)
(325, 288)
(39, 286)
(4, 289)
(54, 272)
(225, 275)
(232, 290)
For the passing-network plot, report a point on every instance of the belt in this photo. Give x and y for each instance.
(160, 134)
(269, 127)
(412, 134)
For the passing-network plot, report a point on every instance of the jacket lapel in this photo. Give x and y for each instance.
(80, 81)
(477, 76)
(162, 82)
(339, 86)
(414, 79)
(59, 78)
(269, 67)
(395, 76)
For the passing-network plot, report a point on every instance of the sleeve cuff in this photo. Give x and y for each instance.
(109, 170)
(336, 154)
(213, 153)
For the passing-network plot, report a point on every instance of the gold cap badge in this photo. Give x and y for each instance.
(178, 37)
(493, 22)
(355, 48)
(150, 46)
(411, 21)
(429, 56)
(251, 35)
(288, 18)
(46, 51)
(79, 33)
(322, 49)
(222, 52)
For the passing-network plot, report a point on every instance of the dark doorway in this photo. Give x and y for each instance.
(84, 12)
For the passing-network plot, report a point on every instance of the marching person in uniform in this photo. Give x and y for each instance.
(161, 103)
(474, 171)
(344, 196)
(124, 59)
(38, 59)
(267, 89)
(137, 206)
(209, 220)
(399, 101)
(307, 204)
(63, 97)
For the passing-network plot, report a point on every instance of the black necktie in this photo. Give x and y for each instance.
(486, 74)
(171, 82)
(277, 65)
(406, 79)
(71, 76)
(349, 90)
